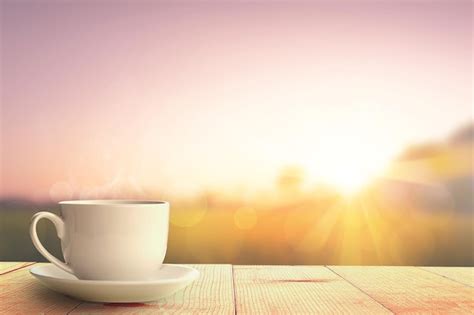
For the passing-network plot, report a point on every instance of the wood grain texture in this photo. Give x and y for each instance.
(410, 290)
(270, 289)
(20, 293)
(6, 267)
(298, 289)
(212, 293)
(463, 275)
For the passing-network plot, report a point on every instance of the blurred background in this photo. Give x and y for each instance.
(281, 132)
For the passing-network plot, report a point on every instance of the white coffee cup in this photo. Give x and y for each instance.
(109, 239)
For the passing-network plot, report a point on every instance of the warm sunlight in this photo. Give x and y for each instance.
(349, 179)
(347, 161)
(280, 133)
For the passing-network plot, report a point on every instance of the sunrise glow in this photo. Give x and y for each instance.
(280, 132)
(173, 114)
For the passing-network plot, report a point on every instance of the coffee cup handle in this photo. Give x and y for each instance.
(59, 224)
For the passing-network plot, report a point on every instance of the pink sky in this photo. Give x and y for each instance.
(184, 97)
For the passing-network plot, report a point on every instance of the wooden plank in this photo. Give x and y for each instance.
(410, 289)
(6, 267)
(298, 289)
(212, 293)
(463, 275)
(20, 293)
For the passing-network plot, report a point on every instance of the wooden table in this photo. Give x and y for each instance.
(227, 289)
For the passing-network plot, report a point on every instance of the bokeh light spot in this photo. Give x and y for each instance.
(187, 213)
(245, 218)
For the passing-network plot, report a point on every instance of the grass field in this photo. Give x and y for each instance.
(419, 212)
(305, 229)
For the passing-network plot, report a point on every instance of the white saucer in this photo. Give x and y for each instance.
(170, 278)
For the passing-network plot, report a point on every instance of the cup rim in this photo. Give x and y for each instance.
(113, 202)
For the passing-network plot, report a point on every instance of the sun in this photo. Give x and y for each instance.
(349, 178)
(347, 164)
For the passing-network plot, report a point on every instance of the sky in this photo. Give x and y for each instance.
(184, 97)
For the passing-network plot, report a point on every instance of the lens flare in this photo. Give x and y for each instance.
(245, 218)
